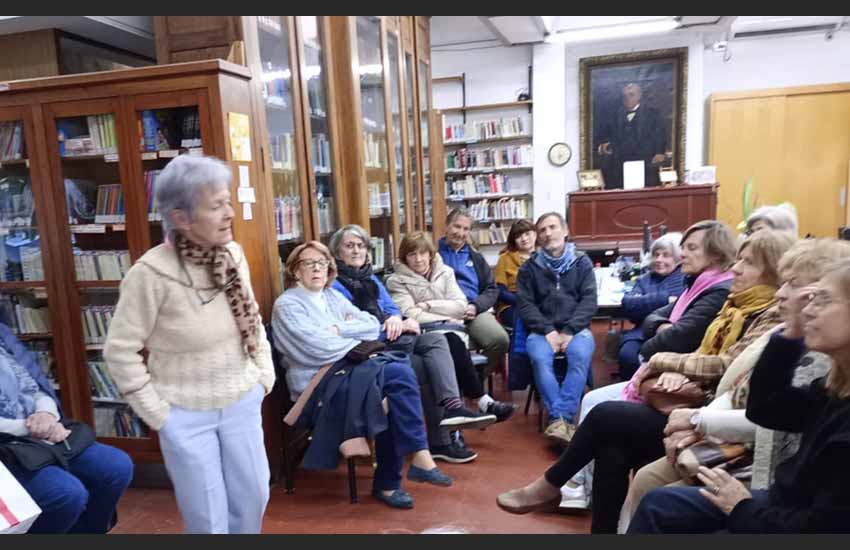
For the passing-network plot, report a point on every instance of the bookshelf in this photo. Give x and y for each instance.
(77, 209)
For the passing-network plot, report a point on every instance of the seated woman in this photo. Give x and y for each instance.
(656, 289)
(723, 419)
(782, 217)
(811, 492)
(425, 289)
(522, 240)
(621, 435)
(314, 325)
(355, 281)
(81, 499)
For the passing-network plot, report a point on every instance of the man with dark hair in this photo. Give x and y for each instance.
(556, 298)
(477, 282)
(635, 133)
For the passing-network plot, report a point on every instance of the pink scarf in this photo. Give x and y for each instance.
(703, 282)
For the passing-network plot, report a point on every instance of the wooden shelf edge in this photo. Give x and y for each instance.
(489, 106)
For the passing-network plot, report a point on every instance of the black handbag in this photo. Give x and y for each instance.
(364, 350)
(34, 454)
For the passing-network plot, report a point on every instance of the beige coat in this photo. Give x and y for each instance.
(444, 298)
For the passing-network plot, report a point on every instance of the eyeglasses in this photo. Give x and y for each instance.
(312, 264)
(820, 299)
(354, 245)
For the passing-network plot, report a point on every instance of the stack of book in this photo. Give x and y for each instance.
(110, 204)
(11, 141)
(495, 234)
(30, 320)
(373, 148)
(168, 129)
(31, 265)
(490, 158)
(502, 209)
(101, 265)
(150, 195)
(99, 139)
(282, 151)
(102, 384)
(477, 185)
(471, 131)
(321, 154)
(96, 321)
(287, 217)
(110, 421)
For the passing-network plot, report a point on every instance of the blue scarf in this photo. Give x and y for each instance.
(17, 389)
(557, 264)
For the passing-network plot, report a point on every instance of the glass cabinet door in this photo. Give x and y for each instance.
(315, 78)
(276, 66)
(371, 70)
(396, 122)
(410, 100)
(424, 113)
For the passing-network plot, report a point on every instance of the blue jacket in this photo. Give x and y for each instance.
(23, 356)
(473, 275)
(385, 303)
(652, 291)
(345, 405)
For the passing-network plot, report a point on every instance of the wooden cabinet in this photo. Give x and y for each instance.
(80, 211)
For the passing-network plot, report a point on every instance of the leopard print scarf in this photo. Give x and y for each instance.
(225, 275)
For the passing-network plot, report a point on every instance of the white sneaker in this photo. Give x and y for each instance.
(574, 497)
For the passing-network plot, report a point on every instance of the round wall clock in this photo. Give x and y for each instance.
(560, 154)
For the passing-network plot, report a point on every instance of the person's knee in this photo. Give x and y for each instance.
(120, 469)
(73, 498)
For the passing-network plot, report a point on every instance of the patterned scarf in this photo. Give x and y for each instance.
(557, 264)
(727, 327)
(17, 388)
(225, 275)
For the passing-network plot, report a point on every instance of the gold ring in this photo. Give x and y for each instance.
(716, 489)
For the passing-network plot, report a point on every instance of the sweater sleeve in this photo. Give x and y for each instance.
(454, 303)
(299, 335)
(720, 420)
(132, 323)
(643, 300)
(385, 302)
(358, 324)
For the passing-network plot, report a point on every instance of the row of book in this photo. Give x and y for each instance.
(374, 148)
(494, 234)
(150, 194)
(11, 140)
(29, 320)
(110, 204)
(487, 129)
(325, 206)
(101, 382)
(117, 422)
(167, 129)
(379, 200)
(502, 209)
(101, 265)
(97, 138)
(282, 151)
(96, 320)
(276, 81)
(269, 22)
(478, 185)
(491, 157)
(287, 217)
(378, 256)
(321, 153)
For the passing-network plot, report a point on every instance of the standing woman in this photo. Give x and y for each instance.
(189, 303)
(522, 240)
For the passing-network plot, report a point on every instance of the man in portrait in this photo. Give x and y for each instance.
(635, 131)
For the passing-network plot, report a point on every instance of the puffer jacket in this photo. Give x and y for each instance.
(441, 292)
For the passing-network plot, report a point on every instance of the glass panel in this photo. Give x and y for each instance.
(163, 135)
(24, 311)
(424, 111)
(375, 138)
(409, 79)
(280, 117)
(320, 145)
(398, 146)
(20, 242)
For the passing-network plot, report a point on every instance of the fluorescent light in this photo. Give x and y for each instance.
(613, 31)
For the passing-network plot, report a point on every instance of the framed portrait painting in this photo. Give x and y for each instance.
(632, 108)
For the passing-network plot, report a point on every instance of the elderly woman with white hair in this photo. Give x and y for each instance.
(663, 284)
(781, 217)
(189, 304)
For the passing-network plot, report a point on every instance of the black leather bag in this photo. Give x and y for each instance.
(33, 454)
(364, 350)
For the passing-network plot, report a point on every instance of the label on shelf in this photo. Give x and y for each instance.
(168, 153)
(119, 227)
(111, 157)
(149, 155)
(89, 228)
(196, 152)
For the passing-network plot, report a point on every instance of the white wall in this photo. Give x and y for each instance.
(493, 75)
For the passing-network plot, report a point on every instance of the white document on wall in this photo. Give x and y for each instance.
(633, 174)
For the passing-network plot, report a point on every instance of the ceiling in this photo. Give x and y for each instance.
(133, 33)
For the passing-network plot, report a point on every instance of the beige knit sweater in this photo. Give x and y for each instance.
(195, 358)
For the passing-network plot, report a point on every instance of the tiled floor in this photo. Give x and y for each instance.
(510, 454)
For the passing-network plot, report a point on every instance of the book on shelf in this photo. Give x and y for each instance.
(282, 151)
(120, 421)
(287, 217)
(101, 265)
(90, 135)
(24, 316)
(96, 320)
(490, 158)
(377, 245)
(81, 201)
(373, 150)
(325, 206)
(11, 141)
(101, 382)
(379, 201)
(32, 267)
(321, 148)
(110, 204)
(169, 129)
(500, 128)
(495, 234)
(478, 185)
(270, 23)
(150, 195)
(502, 209)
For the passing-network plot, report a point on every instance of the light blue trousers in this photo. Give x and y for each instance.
(217, 463)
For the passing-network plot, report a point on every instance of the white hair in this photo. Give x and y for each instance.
(350, 229)
(782, 217)
(671, 242)
(179, 185)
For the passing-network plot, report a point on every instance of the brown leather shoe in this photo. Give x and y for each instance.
(527, 499)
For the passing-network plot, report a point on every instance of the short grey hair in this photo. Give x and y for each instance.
(456, 213)
(670, 242)
(350, 229)
(179, 185)
(782, 217)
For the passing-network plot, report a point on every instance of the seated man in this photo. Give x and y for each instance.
(476, 280)
(79, 499)
(556, 297)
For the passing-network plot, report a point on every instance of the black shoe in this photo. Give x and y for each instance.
(454, 453)
(462, 418)
(502, 410)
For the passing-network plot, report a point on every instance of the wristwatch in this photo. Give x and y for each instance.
(695, 419)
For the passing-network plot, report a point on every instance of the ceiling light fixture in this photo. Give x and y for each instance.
(612, 31)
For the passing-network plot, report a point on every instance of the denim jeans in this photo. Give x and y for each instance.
(81, 499)
(561, 400)
(681, 510)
